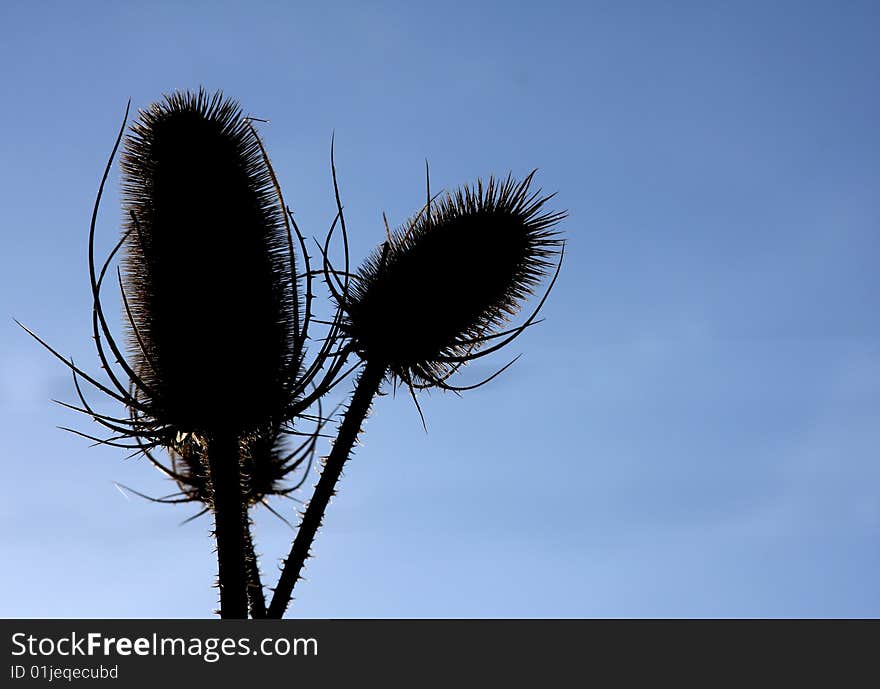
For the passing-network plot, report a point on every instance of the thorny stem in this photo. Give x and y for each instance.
(367, 388)
(230, 525)
(254, 584)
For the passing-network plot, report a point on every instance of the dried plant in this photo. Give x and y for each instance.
(218, 312)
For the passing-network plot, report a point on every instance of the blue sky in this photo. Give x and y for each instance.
(693, 430)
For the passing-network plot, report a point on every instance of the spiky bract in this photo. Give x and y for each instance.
(447, 280)
(207, 269)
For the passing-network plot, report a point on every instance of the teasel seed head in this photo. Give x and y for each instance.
(207, 269)
(265, 464)
(445, 284)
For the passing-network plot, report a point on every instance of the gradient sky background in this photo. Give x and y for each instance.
(692, 432)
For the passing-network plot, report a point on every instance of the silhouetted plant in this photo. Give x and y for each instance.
(217, 373)
(209, 300)
(435, 296)
(217, 328)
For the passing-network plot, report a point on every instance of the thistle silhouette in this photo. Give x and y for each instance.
(218, 314)
(216, 326)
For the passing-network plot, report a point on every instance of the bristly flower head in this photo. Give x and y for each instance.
(265, 467)
(443, 286)
(208, 279)
(217, 331)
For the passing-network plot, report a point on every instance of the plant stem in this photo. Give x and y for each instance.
(255, 585)
(229, 525)
(367, 387)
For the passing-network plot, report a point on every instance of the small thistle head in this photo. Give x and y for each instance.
(445, 283)
(265, 466)
(207, 269)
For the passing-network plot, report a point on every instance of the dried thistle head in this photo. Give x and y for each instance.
(216, 328)
(266, 464)
(207, 274)
(444, 285)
